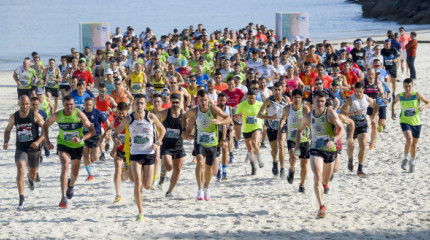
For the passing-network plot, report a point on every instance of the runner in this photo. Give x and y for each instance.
(23, 76)
(205, 118)
(92, 145)
(273, 107)
(35, 103)
(321, 121)
(142, 126)
(252, 127)
(65, 87)
(356, 108)
(185, 97)
(105, 104)
(70, 143)
(118, 152)
(226, 145)
(80, 96)
(410, 120)
(172, 150)
(136, 81)
(234, 97)
(120, 94)
(40, 72)
(52, 78)
(82, 73)
(391, 56)
(28, 140)
(291, 117)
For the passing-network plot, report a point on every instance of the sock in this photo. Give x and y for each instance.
(360, 167)
(231, 154)
(21, 198)
(234, 138)
(406, 156)
(89, 170)
(155, 176)
(224, 169)
(253, 164)
(412, 161)
(162, 179)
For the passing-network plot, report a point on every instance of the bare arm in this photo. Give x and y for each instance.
(45, 130)
(187, 99)
(285, 113)
(7, 132)
(393, 107)
(39, 120)
(334, 119)
(161, 129)
(225, 119)
(186, 131)
(84, 120)
(304, 123)
(263, 109)
(425, 100)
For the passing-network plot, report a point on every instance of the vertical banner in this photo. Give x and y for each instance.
(94, 35)
(291, 25)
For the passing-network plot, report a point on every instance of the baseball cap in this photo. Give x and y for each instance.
(124, 52)
(109, 71)
(237, 76)
(175, 96)
(251, 70)
(262, 50)
(39, 91)
(297, 39)
(184, 63)
(335, 83)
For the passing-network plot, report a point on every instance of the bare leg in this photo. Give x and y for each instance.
(177, 166)
(137, 173)
(317, 168)
(117, 176)
(20, 175)
(200, 168)
(303, 170)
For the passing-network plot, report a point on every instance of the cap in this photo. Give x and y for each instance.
(237, 76)
(254, 51)
(124, 52)
(335, 83)
(184, 63)
(233, 58)
(297, 38)
(251, 71)
(210, 80)
(387, 40)
(241, 36)
(175, 96)
(39, 91)
(262, 50)
(349, 60)
(289, 67)
(109, 71)
(201, 58)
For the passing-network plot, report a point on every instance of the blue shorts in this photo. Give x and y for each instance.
(416, 130)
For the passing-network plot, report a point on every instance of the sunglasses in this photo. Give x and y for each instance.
(255, 89)
(376, 65)
(165, 94)
(336, 70)
(102, 91)
(173, 82)
(157, 71)
(175, 102)
(318, 83)
(117, 84)
(193, 80)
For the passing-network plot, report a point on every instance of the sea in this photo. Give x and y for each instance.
(51, 28)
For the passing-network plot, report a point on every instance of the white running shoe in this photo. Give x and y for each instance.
(21, 206)
(207, 194)
(200, 195)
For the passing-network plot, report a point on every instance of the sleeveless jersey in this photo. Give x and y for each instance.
(136, 82)
(158, 85)
(173, 126)
(371, 90)
(359, 104)
(45, 106)
(274, 108)
(322, 131)
(293, 122)
(410, 113)
(49, 82)
(121, 136)
(120, 97)
(68, 128)
(27, 130)
(142, 134)
(206, 132)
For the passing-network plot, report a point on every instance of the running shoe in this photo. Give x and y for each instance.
(117, 199)
(290, 177)
(275, 169)
(200, 194)
(160, 186)
(260, 161)
(218, 175)
(47, 152)
(139, 217)
(262, 145)
(302, 189)
(350, 164)
(236, 144)
(361, 174)
(90, 178)
(326, 189)
(30, 183)
(37, 178)
(107, 147)
(102, 157)
(322, 212)
(63, 202)
(207, 194)
(411, 166)
(404, 164)
(21, 205)
(169, 195)
(372, 147)
(380, 128)
(282, 173)
(253, 169)
(70, 191)
(231, 160)
(224, 177)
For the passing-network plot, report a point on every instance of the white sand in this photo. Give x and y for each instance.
(389, 204)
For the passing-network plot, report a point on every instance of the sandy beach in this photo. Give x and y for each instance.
(390, 203)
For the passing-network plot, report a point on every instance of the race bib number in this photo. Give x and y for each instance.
(24, 82)
(388, 62)
(360, 63)
(203, 137)
(321, 141)
(67, 136)
(307, 88)
(121, 138)
(80, 106)
(275, 124)
(294, 133)
(51, 84)
(173, 133)
(251, 120)
(106, 114)
(410, 112)
(24, 136)
(136, 86)
(140, 139)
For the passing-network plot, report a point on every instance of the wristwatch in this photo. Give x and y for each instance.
(332, 139)
(158, 143)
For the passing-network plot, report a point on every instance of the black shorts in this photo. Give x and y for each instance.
(75, 153)
(65, 87)
(272, 134)
(370, 111)
(31, 156)
(210, 153)
(54, 91)
(176, 153)
(22, 92)
(92, 142)
(304, 148)
(236, 123)
(416, 130)
(392, 71)
(383, 112)
(143, 159)
(362, 128)
(120, 154)
(328, 157)
(249, 135)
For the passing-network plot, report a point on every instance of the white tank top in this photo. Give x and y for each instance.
(359, 104)
(142, 135)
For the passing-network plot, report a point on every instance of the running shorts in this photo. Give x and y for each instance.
(54, 91)
(416, 130)
(210, 153)
(304, 148)
(31, 156)
(143, 159)
(249, 135)
(328, 157)
(272, 134)
(75, 153)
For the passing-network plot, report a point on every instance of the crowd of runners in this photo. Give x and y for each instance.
(141, 99)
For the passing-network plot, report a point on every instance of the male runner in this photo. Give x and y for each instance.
(228, 147)
(234, 97)
(52, 78)
(23, 76)
(70, 143)
(274, 106)
(410, 120)
(205, 117)
(322, 122)
(143, 146)
(27, 123)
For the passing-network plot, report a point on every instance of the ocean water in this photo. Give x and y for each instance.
(52, 27)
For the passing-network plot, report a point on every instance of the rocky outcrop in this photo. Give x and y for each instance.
(400, 11)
